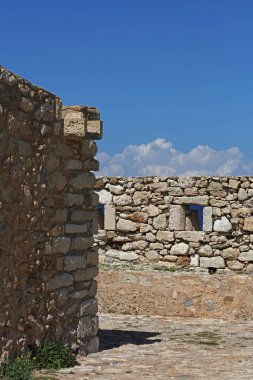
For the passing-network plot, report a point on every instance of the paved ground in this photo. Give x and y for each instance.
(137, 347)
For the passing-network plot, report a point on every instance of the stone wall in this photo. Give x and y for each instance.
(47, 213)
(204, 224)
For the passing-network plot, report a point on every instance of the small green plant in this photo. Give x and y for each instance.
(48, 355)
(18, 369)
(51, 355)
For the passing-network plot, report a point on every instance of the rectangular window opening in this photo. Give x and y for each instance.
(101, 216)
(194, 218)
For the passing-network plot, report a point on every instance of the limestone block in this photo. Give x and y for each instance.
(140, 245)
(235, 265)
(165, 236)
(230, 253)
(75, 128)
(128, 256)
(177, 218)
(208, 219)
(233, 184)
(248, 224)
(126, 225)
(59, 281)
(246, 256)
(222, 225)
(180, 249)
(205, 251)
(159, 187)
(160, 222)
(193, 236)
(198, 200)
(110, 218)
(122, 200)
(94, 129)
(83, 181)
(105, 197)
(152, 255)
(212, 262)
(141, 198)
(115, 189)
(153, 210)
(242, 194)
(150, 237)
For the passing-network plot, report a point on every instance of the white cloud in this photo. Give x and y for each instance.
(160, 158)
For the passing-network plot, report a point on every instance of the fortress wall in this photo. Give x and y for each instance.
(47, 215)
(202, 224)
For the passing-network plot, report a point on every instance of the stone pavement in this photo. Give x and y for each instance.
(156, 347)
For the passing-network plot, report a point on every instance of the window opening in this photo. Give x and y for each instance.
(101, 216)
(194, 218)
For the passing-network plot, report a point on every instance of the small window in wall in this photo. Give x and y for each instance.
(101, 216)
(194, 218)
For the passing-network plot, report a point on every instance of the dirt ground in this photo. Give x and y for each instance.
(156, 347)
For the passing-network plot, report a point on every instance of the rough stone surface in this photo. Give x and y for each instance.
(179, 249)
(222, 225)
(44, 179)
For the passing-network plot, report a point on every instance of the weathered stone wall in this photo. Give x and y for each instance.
(153, 220)
(47, 209)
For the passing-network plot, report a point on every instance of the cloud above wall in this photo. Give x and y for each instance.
(160, 158)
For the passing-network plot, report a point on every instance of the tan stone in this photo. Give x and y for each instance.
(248, 224)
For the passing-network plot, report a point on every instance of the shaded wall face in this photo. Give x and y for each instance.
(47, 208)
(204, 224)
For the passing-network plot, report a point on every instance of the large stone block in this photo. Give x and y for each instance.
(180, 249)
(198, 200)
(212, 262)
(222, 225)
(94, 129)
(75, 128)
(177, 218)
(110, 218)
(194, 236)
(208, 219)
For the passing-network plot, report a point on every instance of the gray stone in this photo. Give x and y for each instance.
(152, 255)
(105, 197)
(206, 251)
(88, 307)
(122, 200)
(212, 262)
(83, 181)
(242, 194)
(177, 218)
(60, 281)
(246, 256)
(126, 225)
(165, 236)
(230, 253)
(179, 249)
(197, 200)
(115, 189)
(128, 256)
(208, 219)
(222, 225)
(153, 210)
(160, 222)
(72, 263)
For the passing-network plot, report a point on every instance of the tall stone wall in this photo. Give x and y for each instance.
(47, 213)
(204, 224)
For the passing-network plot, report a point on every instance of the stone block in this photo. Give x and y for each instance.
(88, 307)
(94, 129)
(83, 181)
(126, 225)
(72, 263)
(85, 274)
(212, 262)
(222, 225)
(160, 222)
(177, 218)
(180, 249)
(208, 219)
(110, 218)
(165, 236)
(105, 197)
(246, 256)
(81, 243)
(193, 236)
(122, 200)
(128, 256)
(198, 200)
(76, 228)
(75, 128)
(61, 244)
(60, 281)
(248, 224)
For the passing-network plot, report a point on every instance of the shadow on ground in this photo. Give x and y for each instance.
(109, 339)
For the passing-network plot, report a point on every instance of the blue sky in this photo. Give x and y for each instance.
(179, 71)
